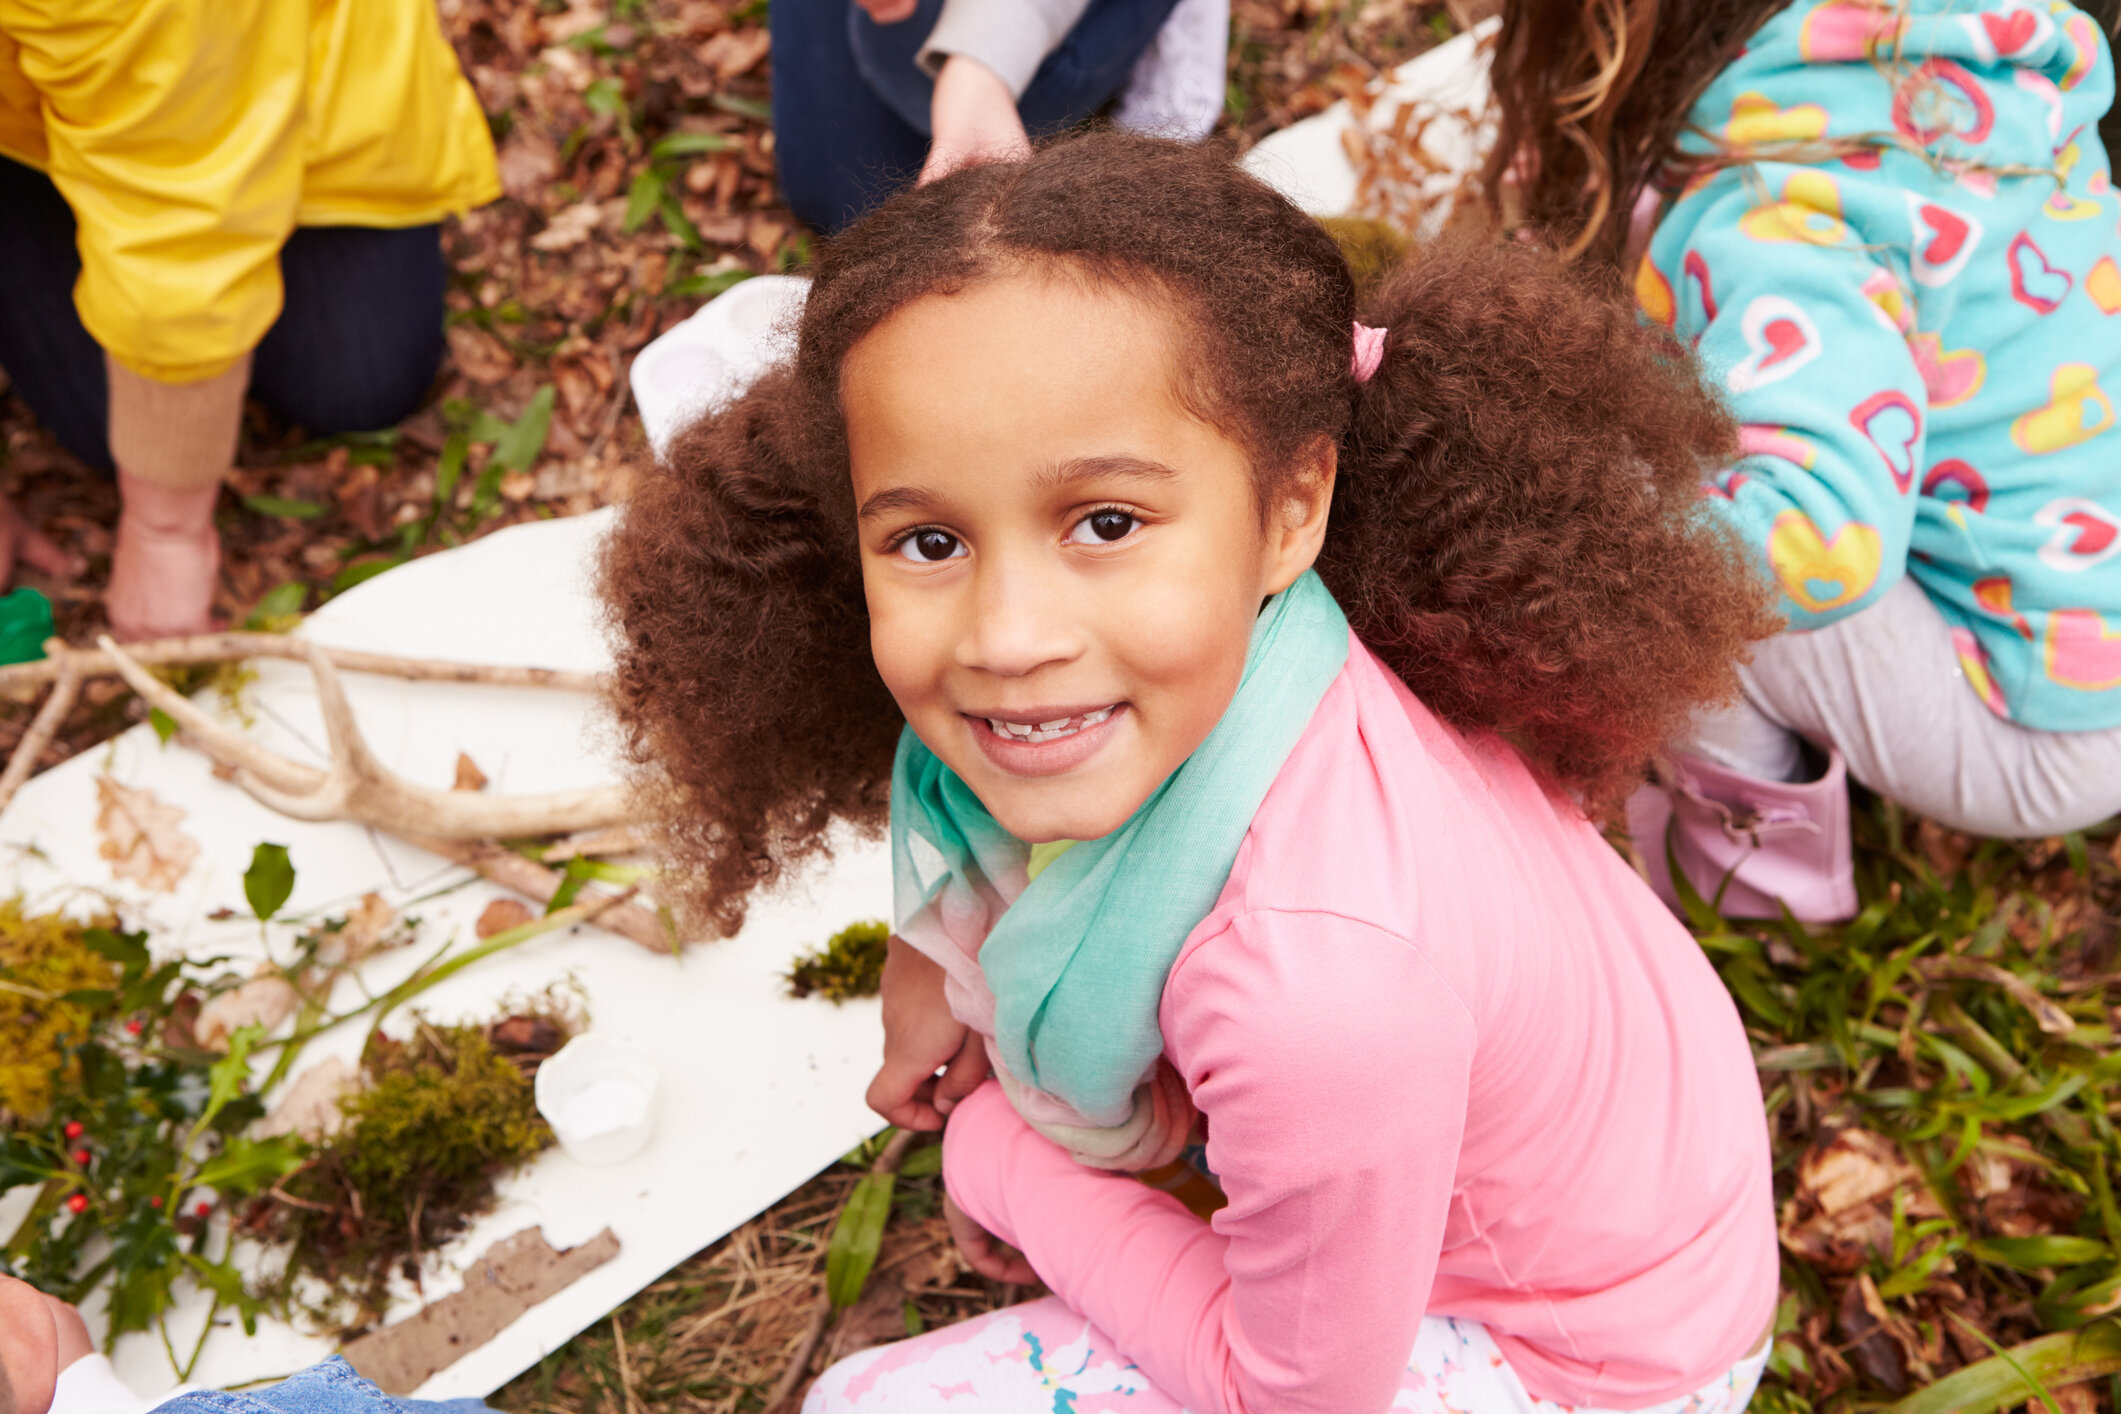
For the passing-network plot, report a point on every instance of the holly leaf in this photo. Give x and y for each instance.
(128, 950)
(269, 880)
(231, 1073)
(248, 1165)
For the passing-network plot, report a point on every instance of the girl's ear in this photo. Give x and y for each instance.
(1296, 522)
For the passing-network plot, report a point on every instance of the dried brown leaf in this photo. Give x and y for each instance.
(482, 357)
(501, 915)
(469, 776)
(140, 836)
(736, 52)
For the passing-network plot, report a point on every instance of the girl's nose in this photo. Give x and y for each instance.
(1020, 621)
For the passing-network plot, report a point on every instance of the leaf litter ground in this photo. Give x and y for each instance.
(1940, 1075)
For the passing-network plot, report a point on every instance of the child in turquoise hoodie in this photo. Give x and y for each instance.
(1890, 235)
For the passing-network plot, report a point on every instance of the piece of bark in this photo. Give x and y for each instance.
(512, 1276)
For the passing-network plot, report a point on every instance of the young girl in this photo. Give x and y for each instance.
(1889, 232)
(1236, 674)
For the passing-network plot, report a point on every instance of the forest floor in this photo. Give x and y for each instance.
(1940, 1075)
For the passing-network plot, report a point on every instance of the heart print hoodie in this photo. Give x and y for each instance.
(1909, 292)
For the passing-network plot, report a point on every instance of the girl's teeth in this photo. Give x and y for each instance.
(1048, 731)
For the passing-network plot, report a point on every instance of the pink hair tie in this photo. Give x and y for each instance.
(1369, 352)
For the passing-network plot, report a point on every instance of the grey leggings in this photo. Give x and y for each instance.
(1884, 687)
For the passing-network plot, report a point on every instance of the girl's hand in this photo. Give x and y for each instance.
(986, 1254)
(167, 563)
(920, 1037)
(19, 540)
(973, 116)
(889, 12)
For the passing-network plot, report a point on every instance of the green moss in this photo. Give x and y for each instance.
(43, 959)
(443, 1114)
(851, 964)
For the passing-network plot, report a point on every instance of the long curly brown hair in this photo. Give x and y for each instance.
(1591, 97)
(1516, 528)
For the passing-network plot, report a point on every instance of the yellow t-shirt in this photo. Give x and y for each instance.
(191, 137)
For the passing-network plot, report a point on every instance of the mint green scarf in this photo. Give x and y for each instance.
(1077, 961)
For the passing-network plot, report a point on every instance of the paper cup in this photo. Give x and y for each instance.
(598, 1095)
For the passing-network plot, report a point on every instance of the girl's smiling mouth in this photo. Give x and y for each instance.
(1047, 741)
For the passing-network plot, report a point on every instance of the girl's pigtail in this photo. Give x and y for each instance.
(1518, 527)
(744, 688)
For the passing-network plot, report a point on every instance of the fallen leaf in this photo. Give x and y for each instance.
(469, 776)
(1863, 1322)
(569, 228)
(266, 1000)
(735, 52)
(368, 924)
(527, 162)
(309, 1108)
(482, 357)
(140, 836)
(501, 915)
(1841, 1212)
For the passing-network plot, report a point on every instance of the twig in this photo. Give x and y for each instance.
(618, 1336)
(614, 839)
(821, 1319)
(66, 684)
(227, 647)
(534, 881)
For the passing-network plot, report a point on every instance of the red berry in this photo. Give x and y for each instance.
(136, 1026)
(204, 1208)
(75, 1129)
(78, 1203)
(155, 1201)
(82, 1156)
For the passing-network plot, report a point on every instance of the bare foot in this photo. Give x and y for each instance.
(167, 562)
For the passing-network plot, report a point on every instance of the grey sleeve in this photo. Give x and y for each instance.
(1011, 37)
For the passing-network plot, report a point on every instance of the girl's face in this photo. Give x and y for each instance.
(1062, 564)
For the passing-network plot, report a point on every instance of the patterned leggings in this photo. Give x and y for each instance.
(1042, 1358)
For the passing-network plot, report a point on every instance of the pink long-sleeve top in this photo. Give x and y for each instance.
(1455, 1059)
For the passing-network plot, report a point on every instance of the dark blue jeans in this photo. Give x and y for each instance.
(355, 347)
(850, 107)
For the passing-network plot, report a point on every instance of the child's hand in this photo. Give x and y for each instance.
(920, 1037)
(39, 1337)
(985, 1254)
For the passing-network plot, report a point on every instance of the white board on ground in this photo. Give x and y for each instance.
(757, 1092)
(1307, 162)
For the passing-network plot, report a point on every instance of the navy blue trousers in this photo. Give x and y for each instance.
(355, 347)
(850, 107)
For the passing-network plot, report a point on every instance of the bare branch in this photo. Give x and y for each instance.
(360, 788)
(229, 647)
(40, 733)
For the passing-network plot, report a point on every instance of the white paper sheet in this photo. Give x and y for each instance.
(758, 1091)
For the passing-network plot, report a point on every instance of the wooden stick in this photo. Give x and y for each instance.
(612, 839)
(534, 881)
(66, 684)
(227, 647)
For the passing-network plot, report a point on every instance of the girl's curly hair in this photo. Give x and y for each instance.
(1516, 530)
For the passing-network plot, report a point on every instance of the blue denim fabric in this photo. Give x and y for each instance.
(328, 1387)
(355, 348)
(850, 105)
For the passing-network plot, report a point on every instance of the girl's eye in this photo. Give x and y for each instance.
(1103, 527)
(927, 547)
